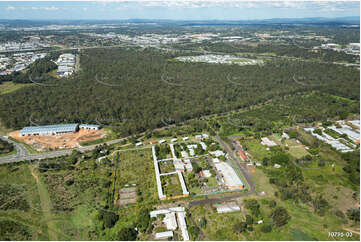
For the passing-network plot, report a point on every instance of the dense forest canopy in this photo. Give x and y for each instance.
(138, 88)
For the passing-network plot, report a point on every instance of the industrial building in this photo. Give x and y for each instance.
(266, 141)
(171, 222)
(89, 126)
(157, 175)
(48, 130)
(231, 179)
(164, 235)
(66, 63)
(227, 208)
(217, 153)
(336, 143)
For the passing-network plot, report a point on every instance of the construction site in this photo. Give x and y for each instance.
(59, 141)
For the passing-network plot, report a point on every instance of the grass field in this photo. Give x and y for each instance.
(46, 205)
(298, 151)
(8, 87)
(256, 149)
(329, 180)
(22, 210)
(63, 202)
(303, 225)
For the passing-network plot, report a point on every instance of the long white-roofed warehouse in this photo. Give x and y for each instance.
(48, 130)
(59, 136)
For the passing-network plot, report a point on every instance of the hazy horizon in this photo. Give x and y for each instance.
(176, 10)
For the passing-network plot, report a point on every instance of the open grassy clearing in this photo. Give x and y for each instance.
(8, 87)
(46, 205)
(136, 167)
(303, 225)
(256, 149)
(63, 196)
(20, 207)
(329, 180)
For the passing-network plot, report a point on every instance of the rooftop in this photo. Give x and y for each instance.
(229, 175)
(50, 128)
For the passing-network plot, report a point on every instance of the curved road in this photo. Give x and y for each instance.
(22, 154)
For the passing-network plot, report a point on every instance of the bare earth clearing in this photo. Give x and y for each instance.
(70, 140)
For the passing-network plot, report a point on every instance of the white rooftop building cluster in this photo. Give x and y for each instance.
(171, 222)
(351, 48)
(352, 134)
(18, 61)
(155, 40)
(345, 129)
(191, 149)
(32, 45)
(220, 59)
(266, 141)
(329, 140)
(66, 64)
(217, 153)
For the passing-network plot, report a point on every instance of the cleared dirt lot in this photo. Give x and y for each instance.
(61, 141)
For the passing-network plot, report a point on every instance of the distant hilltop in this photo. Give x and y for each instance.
(355, 20)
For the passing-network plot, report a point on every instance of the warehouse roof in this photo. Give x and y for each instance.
(163, 235)
(229, 175)
(228, 208)
(89, 126)
(50, 128)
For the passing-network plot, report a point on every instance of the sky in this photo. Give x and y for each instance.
(176, 9)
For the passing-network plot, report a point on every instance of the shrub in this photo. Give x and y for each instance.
(69, 182)
(240, 227)
(353, 214)
(127, 234)
(272, 203)
(280, 216)
(266, 228)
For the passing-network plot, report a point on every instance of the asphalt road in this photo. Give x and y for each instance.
(245, 174)
(22, 154)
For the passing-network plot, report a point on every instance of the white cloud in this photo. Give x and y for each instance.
(50, 8)
(285, 4)
(10, 8)
(319, 5)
